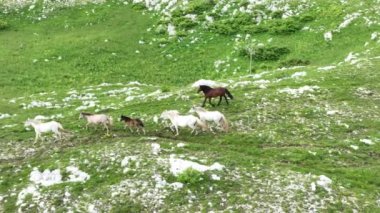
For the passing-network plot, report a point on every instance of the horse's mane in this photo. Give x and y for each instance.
(86, 113)
(125, 118)
(35, 121)
(205, 87)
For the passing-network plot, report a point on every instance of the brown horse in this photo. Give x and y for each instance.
(214, 92)
(132, 122)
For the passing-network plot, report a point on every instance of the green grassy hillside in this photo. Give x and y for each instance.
(304, 122)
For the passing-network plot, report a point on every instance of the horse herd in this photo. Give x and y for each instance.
(176, 120)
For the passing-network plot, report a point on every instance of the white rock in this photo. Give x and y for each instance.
(324, 182)
(46, 178)
(177, 166)
(209, 83)
(328, 36)
(76, 174)
(354, 147)
(367, 141)
(156, 149)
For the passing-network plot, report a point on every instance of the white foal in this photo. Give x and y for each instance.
(98, 119)
(182, 121)
(213, 116)
(40, 128)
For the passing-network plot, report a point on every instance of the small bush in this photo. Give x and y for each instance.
(184, 23)
(277, 14)
(199, 6)
(161, 29)
(306, 18)
(139, 6)
(254, 29)
(223, 27)
(190, 176)
(243, 19)
(162, 41)
(265, 53)
(178, 13)
(294, 62)
(285, 26)
(181, 33)
(3, 25)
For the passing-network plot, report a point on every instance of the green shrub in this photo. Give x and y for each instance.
(178, 13)
(277, 14)
(181, 33)
(264, 53)
(139, 6)
(190, 176)
(285, 26)
(199, 6)
(223, 27)
(294, 62)
(3, 25)
(183, 22)
(163, 41)
(254, 29)
(161, 29)
(307, 18)
(243, 19)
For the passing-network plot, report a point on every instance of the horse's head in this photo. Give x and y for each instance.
(204, 88)
(168, 113)
(30, 122)
(84, 115)
(193, 109)
(27, 123)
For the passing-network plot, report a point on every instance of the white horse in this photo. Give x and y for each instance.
(39, 128)
(97, 119)
(213, 116)
(182, 121)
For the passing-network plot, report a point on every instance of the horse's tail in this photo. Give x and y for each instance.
(140, 123)
(61, 129)
(202, 124)
(223, 122)
(229, 94)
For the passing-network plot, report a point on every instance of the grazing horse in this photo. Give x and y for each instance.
(183, 121)
(132, 122)
(99, 119)
(214, 92)
(39, 128)
(212, 116)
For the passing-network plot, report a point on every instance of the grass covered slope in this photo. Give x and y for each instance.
(304, 123)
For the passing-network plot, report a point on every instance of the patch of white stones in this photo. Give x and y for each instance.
(299, 91)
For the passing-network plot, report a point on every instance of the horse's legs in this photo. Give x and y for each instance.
(59, 135)
(130, 129)
(204, 102)
(172, 128)
(193, 129)
(225, 98)
(176, 129)
(36, 138)
(209, 100)
(143, 130)
(106, 126)
(220, 100)
(87, 125)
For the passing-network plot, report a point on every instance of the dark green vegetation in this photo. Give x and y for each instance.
(288, 126)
